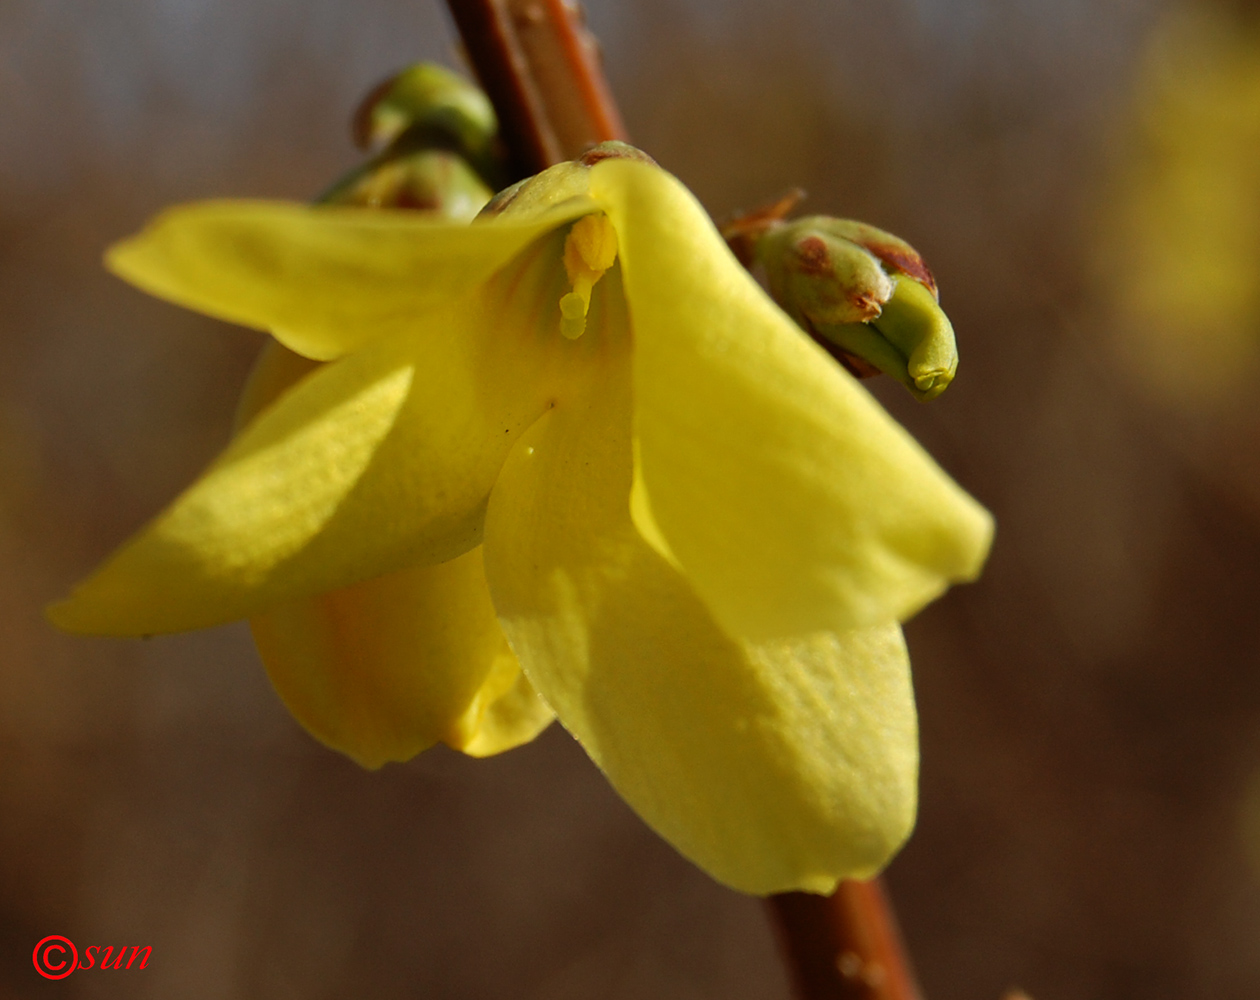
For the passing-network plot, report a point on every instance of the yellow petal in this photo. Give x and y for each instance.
(386, 668)
(323, 279)
(378, 461)
(505, 712)
(276, 370)
(383, 669)
(774, 766)
(768, 470)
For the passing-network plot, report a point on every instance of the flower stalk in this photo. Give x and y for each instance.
(541, 69)
(846, 946)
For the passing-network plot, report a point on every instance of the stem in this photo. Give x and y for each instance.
(845, 946)
(541, 69)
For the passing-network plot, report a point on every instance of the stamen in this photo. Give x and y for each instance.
(590, 249)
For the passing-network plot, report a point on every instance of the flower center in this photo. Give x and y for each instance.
(590, 249)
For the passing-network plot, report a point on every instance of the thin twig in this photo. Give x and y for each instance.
(541, 69)
(846, 946)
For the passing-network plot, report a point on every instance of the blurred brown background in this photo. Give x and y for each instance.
(1090, 710)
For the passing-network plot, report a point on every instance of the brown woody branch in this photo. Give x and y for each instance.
(845, 946)
(542, 71)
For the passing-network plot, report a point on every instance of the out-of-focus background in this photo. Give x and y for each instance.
(1084, 177)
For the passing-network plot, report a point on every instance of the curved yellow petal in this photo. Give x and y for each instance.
(382, 669)
(386, 668)
(776, 765)
(767, 469)
(276, 370)
(378, 461)
(505, 712)
(323, 279)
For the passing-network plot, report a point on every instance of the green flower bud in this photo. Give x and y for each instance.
(426, 95)
(441, 154)
(428, 107)
(864, 293)
(429, 180)
(911, 340)
(820, 278)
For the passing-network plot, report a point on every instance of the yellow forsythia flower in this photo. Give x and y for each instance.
(573, 439)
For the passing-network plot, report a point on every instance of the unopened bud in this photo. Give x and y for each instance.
(911, 340)
(822, 279)
(440, 153)
(866, 293)
(431, 96)
(428, 180)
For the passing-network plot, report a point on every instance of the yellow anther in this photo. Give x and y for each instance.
(592, 242)
(589, 250)
(573, 315)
